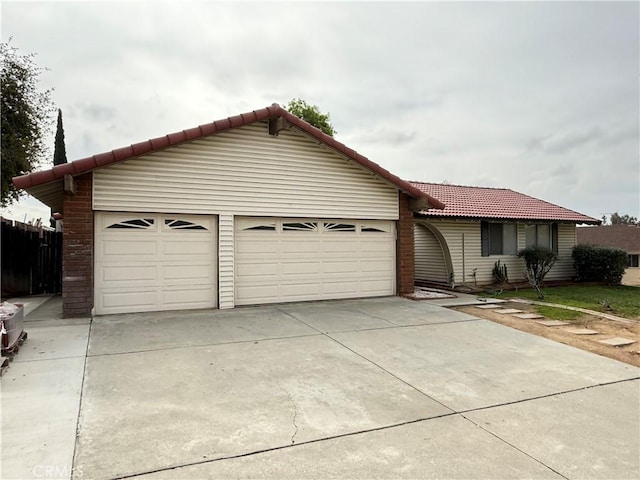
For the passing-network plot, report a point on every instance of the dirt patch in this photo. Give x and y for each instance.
(606, 329)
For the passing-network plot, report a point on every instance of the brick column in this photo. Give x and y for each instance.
(404, 247)
(77, 250)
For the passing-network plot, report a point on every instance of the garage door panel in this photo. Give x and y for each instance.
(341, 267)
(257, 270)
(192, 297)
(187, 247)
(127, 247)
(374, 266)
(152, 262)
(291, 247)
(288, 268)
(189, 273)
(129, 273)
(257, 294)
(321, 259)
(120, 301)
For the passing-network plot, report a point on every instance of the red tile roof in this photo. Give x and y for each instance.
(625, 237)
(88, 164)
(495, 203)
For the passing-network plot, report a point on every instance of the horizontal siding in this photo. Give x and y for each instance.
(225, 261)
(563, 268)
(471, 258)
(248, 172)
(429, 258)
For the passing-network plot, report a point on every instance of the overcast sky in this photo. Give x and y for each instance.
(542, 98)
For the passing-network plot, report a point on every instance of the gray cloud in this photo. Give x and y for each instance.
(541, 97)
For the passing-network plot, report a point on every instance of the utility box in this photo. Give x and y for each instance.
(11, 327)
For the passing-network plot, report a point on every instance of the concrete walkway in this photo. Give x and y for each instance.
(378, 388)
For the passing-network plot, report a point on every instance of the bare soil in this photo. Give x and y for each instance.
(606, 329)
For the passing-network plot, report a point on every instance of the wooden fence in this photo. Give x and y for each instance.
(31, 260)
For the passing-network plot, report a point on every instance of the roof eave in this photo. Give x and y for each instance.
(85, 165)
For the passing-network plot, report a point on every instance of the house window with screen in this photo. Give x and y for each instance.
(633, 260)
(542, 235)
(499, 238)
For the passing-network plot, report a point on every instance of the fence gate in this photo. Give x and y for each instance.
(31, 260)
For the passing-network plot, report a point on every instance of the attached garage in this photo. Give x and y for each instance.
(285, 260)
(257, 208)
(149, 262)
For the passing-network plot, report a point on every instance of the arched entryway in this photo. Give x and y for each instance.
(432, 257)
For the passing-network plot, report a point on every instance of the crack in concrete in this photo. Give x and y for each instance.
(295, 412)
(295, 416)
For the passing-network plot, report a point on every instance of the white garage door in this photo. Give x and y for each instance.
(149, 262)
(285, 260)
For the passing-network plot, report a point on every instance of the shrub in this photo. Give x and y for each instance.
(599, 264)
(538, 261)
(500, 273)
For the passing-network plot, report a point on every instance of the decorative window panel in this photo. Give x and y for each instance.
(175, 224)
(135, 223)
(374, 227)
(300, 226)
(339, 227)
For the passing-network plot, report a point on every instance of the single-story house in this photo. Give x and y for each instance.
(461, 243)
(624, 237)
(257, 208)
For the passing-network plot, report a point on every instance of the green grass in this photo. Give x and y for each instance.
(554, 313)
(623, 300)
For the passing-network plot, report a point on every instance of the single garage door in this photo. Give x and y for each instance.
(150, 262)
(287, 260)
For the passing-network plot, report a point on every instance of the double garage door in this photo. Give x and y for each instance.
(151, 262)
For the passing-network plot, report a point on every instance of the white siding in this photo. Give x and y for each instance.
(563, 268)
(471, 257)
(429, 257)
(248, 172)
(225, 261)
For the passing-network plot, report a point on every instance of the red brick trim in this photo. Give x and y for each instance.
(77, 250)
(404, 247)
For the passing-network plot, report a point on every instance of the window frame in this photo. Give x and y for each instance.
(495, 240)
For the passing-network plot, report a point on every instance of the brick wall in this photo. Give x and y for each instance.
(404, 246)
(77, 250)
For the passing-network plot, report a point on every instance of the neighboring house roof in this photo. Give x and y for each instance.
(625, 237)
(495, 203)
(44, 184)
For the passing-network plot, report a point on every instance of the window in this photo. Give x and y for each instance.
(339, 227)
(543, 235)
(633, 260)
(137, 223)
(174, 224)
(498, 238)
(300, 226)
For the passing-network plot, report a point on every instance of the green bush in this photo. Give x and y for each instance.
(599, 264)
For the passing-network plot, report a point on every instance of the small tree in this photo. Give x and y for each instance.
(538, 261)
(60, 151)
(311, 114)
(26, 118)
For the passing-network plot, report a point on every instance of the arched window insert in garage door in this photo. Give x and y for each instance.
(175, 224)
(137, 223)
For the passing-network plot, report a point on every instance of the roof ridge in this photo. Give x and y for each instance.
(458, 185)
(90, 163)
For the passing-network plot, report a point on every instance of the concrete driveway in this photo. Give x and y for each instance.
(377, 388)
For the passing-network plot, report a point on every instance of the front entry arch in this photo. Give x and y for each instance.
(432, 257)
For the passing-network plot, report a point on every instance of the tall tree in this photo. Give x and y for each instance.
(26, 118)
(60, 152)
(312, 115)
(617, 219)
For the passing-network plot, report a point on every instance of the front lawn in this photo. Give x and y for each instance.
(622, 300)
